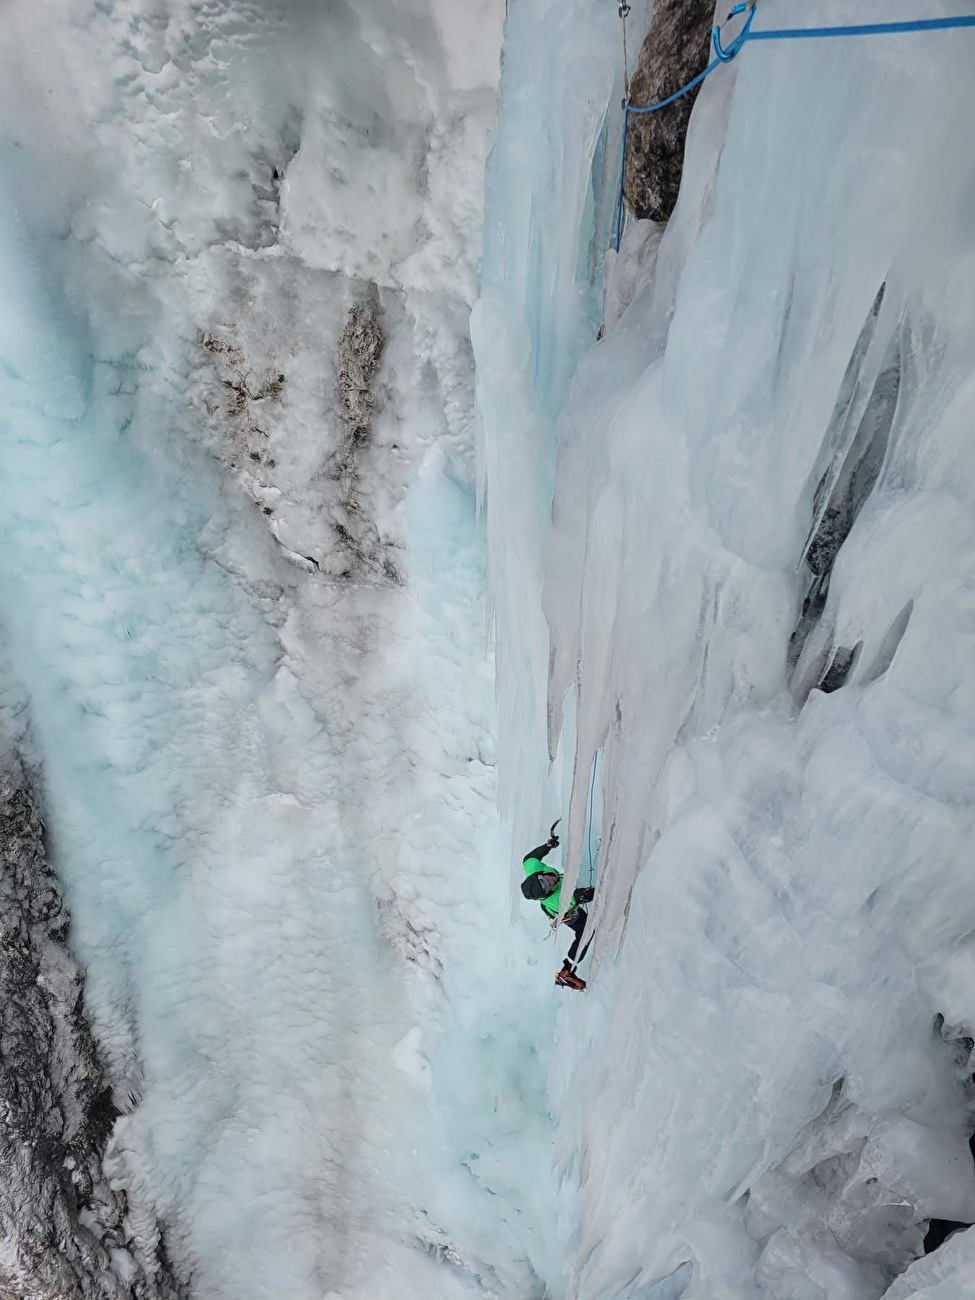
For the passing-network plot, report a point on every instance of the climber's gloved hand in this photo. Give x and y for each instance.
(585, 894)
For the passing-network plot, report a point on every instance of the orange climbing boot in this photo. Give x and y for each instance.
(568, 978)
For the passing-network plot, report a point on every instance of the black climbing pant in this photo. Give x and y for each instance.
(577, 923)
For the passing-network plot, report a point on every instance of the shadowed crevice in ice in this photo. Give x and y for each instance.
(939, 1230)
(843, 489)
(849, 487)
(879, 1212)
(839, 665)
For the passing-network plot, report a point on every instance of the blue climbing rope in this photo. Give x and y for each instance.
(652, 108)
(725, 54)
(862, 29)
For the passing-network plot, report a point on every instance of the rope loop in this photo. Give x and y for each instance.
(724, 54)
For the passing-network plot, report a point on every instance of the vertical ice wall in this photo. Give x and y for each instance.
(754, 590)
(540, 305)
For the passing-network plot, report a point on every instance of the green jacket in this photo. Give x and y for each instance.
(553, 904)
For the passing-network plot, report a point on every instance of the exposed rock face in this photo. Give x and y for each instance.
(674, 51)
(253, 422)
(63, 1230)
(360, 351)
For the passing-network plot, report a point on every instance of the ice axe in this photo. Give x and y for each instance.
(553, 839)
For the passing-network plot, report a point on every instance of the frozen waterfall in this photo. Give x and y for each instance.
(245, 657)
(752, 600)
(292, 674)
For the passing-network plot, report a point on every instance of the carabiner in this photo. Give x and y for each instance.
(725, 55)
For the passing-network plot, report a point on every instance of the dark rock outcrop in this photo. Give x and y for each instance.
(63, 1228)
(674, 51)
(361, 552)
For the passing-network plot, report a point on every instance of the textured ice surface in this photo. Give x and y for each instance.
(756, 1084)
(730, 549)
(242, 581)
(540, 305)
(942, 1276)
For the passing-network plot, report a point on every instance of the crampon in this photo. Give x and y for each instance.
(569, 979)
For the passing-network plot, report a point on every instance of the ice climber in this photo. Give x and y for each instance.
(545, 884)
